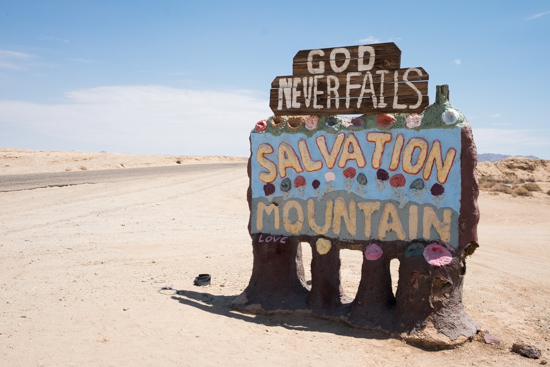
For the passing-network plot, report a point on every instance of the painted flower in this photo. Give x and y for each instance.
(418, 188)
(286, 185)
(260, 126)
(311, 122)
(330, 176)
(316, 184)
(269, 189)
(398, 180)
(295, 122)
(382, 175)
(384, 120)
(417, 184)
(373, 252)
(300, 185)
(299, 181)
(450, 116)
(349, 172)
(361, 182)
(437, 255)
(413, 120)
(437, 189)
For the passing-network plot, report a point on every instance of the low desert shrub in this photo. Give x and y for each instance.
(548, 192)
(521, 191)
(486, 185)
(499, 187)
(531, 186)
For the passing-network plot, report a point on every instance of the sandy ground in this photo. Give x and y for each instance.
(81, 267)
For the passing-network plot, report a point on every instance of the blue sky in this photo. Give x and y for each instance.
(182, 77)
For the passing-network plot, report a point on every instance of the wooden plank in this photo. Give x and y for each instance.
(386, 56)
(389, 89)
(367, 105)
(383, 49)
(376, 78)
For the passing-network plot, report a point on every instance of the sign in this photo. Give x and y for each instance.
(397, 182)
(350, 80)
(400, 184)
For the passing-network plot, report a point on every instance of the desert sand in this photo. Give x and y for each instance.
(82, 267)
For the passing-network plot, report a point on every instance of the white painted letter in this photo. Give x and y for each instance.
(295, 93)
(381, 104)
(361, 51)
(285, 90)
(350, 86)
(315, 92)
(396, 105)
(321, 68)
(340, 50)
(333, 89)
(308, 86)
(406, 79)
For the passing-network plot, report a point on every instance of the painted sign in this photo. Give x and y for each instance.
(350, 80)
(392, 184)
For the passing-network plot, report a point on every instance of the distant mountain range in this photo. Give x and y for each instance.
(492, 157)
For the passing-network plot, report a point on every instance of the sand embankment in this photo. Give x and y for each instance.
(16, 161)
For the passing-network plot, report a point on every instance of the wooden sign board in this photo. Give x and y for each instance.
(350, 80)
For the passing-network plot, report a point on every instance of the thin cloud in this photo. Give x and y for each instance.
(370, 39)
(85, 61)
(495, 115)
(538, 15)
(14, 60)
(457, 62)
(142, 119)
(58, 39)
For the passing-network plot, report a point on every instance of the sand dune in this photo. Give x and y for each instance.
(82, 267)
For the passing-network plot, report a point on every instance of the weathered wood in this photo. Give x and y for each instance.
(350, 80)
(366, 106)
(304, 92)
(358, 77)
(302, 101)
(386, 56)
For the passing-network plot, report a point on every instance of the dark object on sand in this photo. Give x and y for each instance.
(526, 350)
(202, 280)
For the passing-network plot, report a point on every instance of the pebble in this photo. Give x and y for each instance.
(526, 350)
